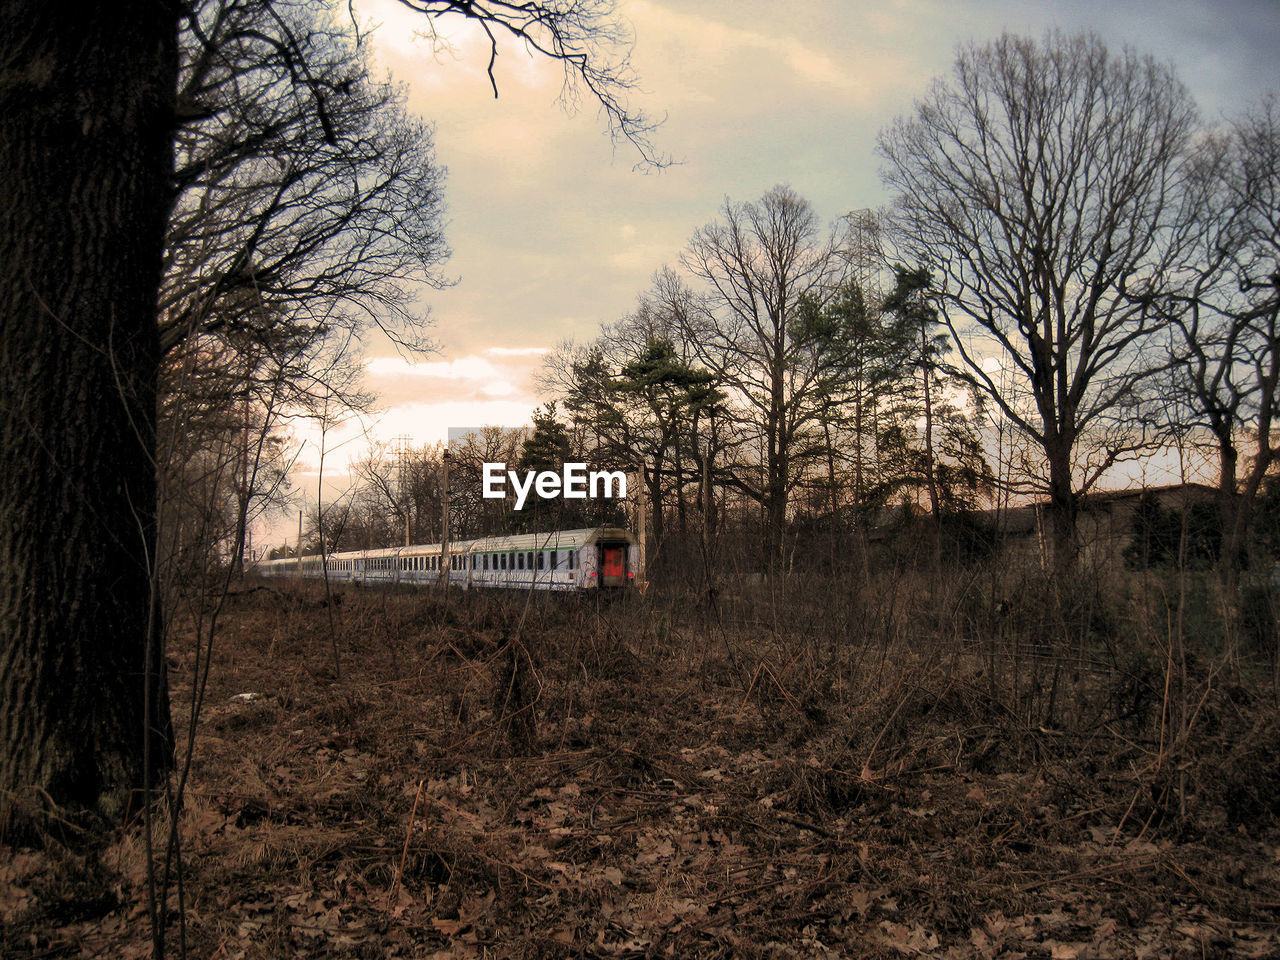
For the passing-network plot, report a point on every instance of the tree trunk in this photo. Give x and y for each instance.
(930, 470)
(86, 140)
(1231, 553)
(657, 523)
(1062, 508)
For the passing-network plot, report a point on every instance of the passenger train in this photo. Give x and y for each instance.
(595, 558)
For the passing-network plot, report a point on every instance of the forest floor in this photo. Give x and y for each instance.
(478, 778)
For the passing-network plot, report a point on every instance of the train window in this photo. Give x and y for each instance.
(541, 559)
(571, 559)
(486, 561)
(519, 561)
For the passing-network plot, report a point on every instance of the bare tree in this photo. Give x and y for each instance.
(1040, 184)
(759, 260)
(1227, 348)
(302, 188)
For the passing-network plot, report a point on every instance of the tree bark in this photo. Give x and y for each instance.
(86, 145)
(1062, 508)
(657, 524)
(1231, 552)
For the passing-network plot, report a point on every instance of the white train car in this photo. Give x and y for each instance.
(593, 558)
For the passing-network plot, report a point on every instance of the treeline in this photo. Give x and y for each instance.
(771, 387)
(1077, 272)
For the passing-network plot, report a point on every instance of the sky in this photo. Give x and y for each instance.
(554, 232)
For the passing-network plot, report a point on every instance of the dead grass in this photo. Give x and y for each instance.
(640, 779)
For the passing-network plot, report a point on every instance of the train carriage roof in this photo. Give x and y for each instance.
(551, 540)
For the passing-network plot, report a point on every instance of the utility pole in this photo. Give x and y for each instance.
(444, 518)
(402, 448)
(300, 543)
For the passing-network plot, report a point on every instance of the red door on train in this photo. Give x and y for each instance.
(613, 565)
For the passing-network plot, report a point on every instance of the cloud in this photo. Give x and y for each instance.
(518, 351)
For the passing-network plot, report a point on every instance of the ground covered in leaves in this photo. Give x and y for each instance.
(397, 775)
